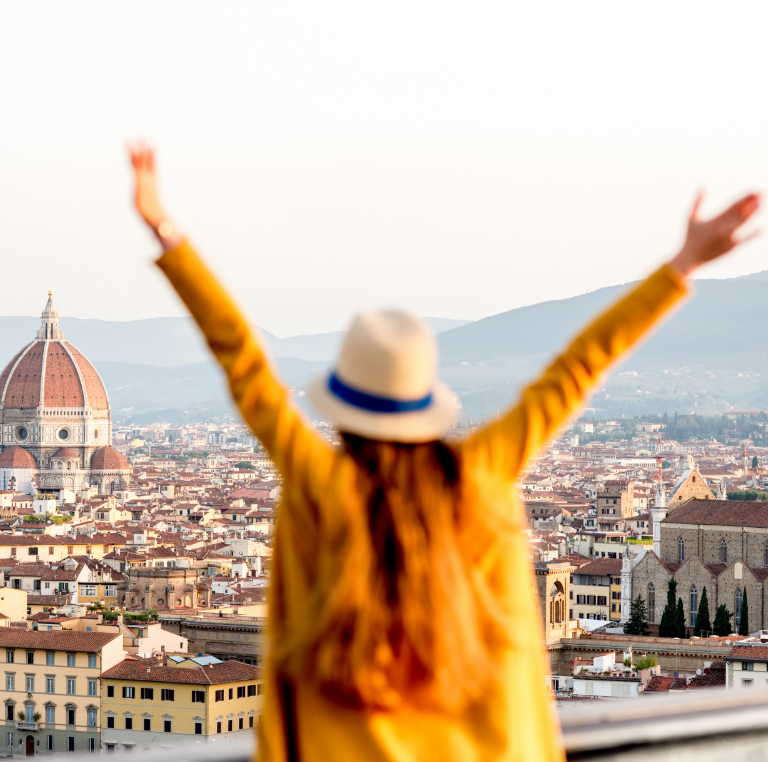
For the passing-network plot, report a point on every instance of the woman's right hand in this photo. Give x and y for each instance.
(145, 195)
(709, 239)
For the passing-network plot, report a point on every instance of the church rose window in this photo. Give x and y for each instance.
(63, 434)
(21, 433)
(651, 603)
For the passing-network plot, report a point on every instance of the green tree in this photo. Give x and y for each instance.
(649, 660)
(680, 619)
(722, 625)
(637, 624)
(744, 621)
(754, 462)
(668, 625)
(703, 625)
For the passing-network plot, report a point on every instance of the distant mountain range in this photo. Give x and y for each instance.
(708, 355)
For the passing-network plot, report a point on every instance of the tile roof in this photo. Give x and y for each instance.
(742, 513)
(150, 670)
(55, 640)
(713, 677)
(660, 683)
(602, 566)
(48, 600)
(748, 653)
(29, 570)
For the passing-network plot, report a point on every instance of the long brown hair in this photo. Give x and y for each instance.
(401, 613)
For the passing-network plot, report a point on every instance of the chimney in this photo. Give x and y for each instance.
(120, 618)
(165, 656)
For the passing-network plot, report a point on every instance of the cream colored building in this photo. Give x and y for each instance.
(51, 679)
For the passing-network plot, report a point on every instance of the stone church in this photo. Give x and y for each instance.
(703, 541)
(55, 419)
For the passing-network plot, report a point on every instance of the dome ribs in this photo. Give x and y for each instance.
(62, 382)
(97, 394)
(7, 370)
(23, 389)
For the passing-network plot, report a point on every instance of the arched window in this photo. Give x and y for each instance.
(651, 603)
(680, 549)
(737, 609)
(723, 551)
(694, 605)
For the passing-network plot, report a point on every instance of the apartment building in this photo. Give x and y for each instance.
(50, 689)
(592, 589)
(146, 702)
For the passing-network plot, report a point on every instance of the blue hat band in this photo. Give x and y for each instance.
(373, 403)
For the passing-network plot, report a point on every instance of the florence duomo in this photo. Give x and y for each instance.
(55, 418)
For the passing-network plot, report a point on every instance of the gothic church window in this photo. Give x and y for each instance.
(723, 551)
(765, 560)
(651, 603)
(694, 605)
(737, 608)
(680, 549)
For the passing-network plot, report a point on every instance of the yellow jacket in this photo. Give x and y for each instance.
(516, 720)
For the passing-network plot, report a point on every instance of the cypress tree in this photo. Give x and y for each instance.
(680, 619)
(703, 625)
(637, 624)
(668, 625)
(754, 465)
(722, 625)
(744, 622)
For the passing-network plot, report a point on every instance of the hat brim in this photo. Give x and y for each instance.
(424, 425)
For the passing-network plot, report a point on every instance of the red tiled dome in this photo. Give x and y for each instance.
(109, 459)
(65, 452)
(15, 457)
(55, 372)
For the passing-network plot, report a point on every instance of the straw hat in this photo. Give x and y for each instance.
(385, 384)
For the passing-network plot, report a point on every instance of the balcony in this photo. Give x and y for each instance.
(705, 726)
(24, 725)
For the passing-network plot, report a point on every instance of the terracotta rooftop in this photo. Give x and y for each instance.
(742, 513)
(56, 640)
(150, 670)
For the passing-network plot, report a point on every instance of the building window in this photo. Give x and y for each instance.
(91, 687)
(30, 657)
(241, 691)
(251, 690)
(147, 723)
(9, 738)
(748, 683)
(92, 745)
(49, 659)
(651, 603)
(240, 722)
(747, 666)
(92, 661)
(694, 605)
(129, 723)
(50, 715)
(70, 686)
(219, 695)
(89, 591)
(229, 726)
(70, 660)
(723, 551)
(166, 726)
(30, 684)
(231, 693)
(737, 615)
(9, 712)
(110, 720)
(129, 691)
(148, 693)
(9, 655)
(70, 743)
(50, 685)
(166, 694)
(110, 691)
(70, 716)
(250, 721)
(49, 743)
(198, 697)
(10, 681)
(218, 726)
(680, 549)
(92, 718)
(198, 728)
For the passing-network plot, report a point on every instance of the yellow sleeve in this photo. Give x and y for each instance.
(264, 402)
(506, 445)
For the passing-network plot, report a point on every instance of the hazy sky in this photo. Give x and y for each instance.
(457, 159)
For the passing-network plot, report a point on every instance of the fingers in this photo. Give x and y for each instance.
(737, 214)
(696, 206)
(142, 156)
(747, 237)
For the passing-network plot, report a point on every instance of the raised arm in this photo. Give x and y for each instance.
(506, 445)
(262, 399)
